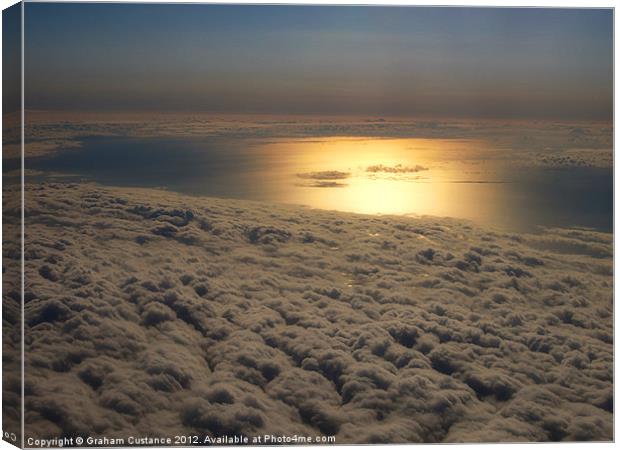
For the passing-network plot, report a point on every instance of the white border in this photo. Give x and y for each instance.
(475, 3)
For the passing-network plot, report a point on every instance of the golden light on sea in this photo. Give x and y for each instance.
(441, 177)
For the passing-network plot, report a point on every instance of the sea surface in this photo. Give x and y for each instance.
(441, 177)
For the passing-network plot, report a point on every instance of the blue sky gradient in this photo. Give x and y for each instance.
(389, 61)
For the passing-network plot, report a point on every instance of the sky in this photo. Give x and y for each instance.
(363, 61)
(11, 59)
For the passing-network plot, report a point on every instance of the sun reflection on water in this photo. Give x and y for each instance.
(389, 176)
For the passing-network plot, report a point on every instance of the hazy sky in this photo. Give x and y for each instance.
(11, 59)
(411, 61)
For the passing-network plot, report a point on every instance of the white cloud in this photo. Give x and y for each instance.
(253, 318)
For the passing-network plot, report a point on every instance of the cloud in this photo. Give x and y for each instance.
(150, 311)
(326, 175)
(398, 168)
(326, 184)
(324, 179)
(523, 144)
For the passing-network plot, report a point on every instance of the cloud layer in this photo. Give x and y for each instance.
(150, 311)
(523, 143)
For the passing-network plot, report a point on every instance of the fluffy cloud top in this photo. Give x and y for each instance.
(150, 311)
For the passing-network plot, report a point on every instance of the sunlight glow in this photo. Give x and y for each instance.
(388, 176)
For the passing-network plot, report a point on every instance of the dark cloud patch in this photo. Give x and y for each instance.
(325, 184)
(326, 179)
(326, 175)
(398, 168)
